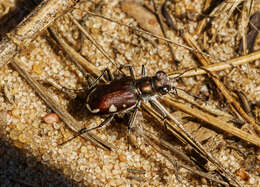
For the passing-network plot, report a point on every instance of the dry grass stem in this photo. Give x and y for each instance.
(179, 131)
(244, 23)
(216, 122)
(149, 138)
(201, 104)
(33, 24)
(221, 15)
(230, 100)
(218, 66)
(74, 54)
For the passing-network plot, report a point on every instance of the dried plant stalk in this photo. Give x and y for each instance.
(73, 54)
(218, 66)
(188, 139)
(63, 114)
(202, 105)
(149, 138)
(223, 11)
(235, 106)
(244, 22)
(216, 122)
(32, 25)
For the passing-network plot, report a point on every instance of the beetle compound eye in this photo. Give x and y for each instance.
(164, 90)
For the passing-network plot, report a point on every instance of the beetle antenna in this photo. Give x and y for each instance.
(153, 35)
(95, 43)
(174, 92)
(181, 74)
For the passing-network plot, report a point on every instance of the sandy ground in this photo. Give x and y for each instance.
(29, 151)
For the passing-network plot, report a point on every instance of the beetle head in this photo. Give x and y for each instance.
(162, 83)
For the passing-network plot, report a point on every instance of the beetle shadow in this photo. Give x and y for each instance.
(19, 167)
(77, 107)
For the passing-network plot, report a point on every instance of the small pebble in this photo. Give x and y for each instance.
(37, 68)
(242, 174)
(204, 181)
(122, 157)
(24, 138)
(51, 118)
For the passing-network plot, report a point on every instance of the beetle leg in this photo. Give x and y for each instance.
(131, 125)
(174, 91)
(105, 122)
(109, 76)
(85, 130)
(132, 120)
(68, 91)
(143, 72)
(130, 68)
(159, 108)
(88, 79)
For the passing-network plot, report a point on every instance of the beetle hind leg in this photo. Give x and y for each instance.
(158, 108)
(71, 93)
(85, 130)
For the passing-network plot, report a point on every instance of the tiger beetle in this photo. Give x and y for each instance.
(124, 94)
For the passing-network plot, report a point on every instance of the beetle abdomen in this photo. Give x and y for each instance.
(112, 98)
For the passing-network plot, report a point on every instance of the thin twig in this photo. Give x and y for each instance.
(148, 138)
(231, 101)
(218, 66)
(216, 122)
(32, 25)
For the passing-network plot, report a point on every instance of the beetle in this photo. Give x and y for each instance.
(124, 94)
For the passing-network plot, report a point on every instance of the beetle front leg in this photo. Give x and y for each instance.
(132, 121)
(159, 108)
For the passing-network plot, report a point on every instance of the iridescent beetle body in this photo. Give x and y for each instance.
(123, 94)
